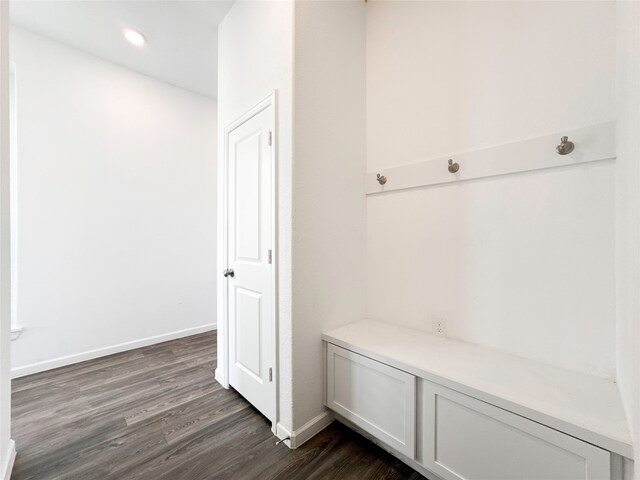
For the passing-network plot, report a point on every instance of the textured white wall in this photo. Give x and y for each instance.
(321, 258)
(328, 190)
(447, 77)
(255, 57)
(628, 214)
(117, 204)
(523, 263)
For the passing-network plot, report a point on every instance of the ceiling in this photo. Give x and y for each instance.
(182, 46)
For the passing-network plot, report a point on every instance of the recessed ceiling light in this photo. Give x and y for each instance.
(134, 37)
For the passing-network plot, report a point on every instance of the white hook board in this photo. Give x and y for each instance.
(592, 144)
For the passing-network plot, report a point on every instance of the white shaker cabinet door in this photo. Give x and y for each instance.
(376, 397)
(467, 439)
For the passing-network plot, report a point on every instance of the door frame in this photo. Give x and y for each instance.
(222, 372)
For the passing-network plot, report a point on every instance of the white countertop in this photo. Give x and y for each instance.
(584, 406)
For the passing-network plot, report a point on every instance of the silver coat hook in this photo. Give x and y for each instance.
(565, 146)
(381, 179)
(453, 167)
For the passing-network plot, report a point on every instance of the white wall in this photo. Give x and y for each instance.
(6, 444)
(523, 263)
(329, 212)
(321, 203)
(116, 200)
(628, 214)
(255, 57)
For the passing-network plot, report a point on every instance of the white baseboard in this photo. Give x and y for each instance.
(5, 473)
(284, 434)
(218, 376)
(306, 432)
(102, 352)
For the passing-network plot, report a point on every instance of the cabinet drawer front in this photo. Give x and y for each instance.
(467, 439)
(378, 398)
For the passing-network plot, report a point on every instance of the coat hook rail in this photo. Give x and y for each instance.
(592, 144)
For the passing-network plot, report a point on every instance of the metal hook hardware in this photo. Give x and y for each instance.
(565, 146)
(381, 179)
(453, 167)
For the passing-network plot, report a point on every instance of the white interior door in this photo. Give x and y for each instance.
(250, 292)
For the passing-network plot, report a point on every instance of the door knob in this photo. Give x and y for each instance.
(228, 273)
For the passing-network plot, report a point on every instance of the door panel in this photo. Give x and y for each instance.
(248, 332)
(247, 201)
(249, 239)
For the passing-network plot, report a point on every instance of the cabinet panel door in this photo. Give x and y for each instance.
(467, 439)
(376, 397)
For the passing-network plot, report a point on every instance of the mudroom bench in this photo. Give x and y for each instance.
(462, 411)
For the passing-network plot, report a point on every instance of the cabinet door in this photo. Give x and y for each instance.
(467, 439)
(376, 397)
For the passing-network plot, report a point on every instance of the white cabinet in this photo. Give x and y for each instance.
(467, 439)
(456, 411)
(441, 431)
(376, 397)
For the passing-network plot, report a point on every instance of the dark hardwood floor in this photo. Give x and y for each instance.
(157, 413)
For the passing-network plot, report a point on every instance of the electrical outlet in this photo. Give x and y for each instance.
(440, 327)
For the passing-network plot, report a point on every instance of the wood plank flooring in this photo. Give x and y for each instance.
(157, 413)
